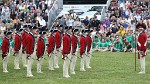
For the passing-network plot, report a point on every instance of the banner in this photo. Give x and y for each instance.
(55, 10)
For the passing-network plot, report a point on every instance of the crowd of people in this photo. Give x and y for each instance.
(120, 22)
(119, 27)
(14, 14)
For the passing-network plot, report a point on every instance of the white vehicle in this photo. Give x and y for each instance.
(62, 13)
(97, 8)
(77, 11)
(84, 7)
(90, 15)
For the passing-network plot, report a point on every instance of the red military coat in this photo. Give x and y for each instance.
(40, 47)
(142, 38)
(74, 43)
(58, 39)
(24, 36)
(17, 42)
(30, 44)
(24, 42)
(89, 43)
(82, 45)
(51, 44)
(66, 45)
(5, 47)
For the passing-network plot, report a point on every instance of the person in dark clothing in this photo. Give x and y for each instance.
(45, 17)
(114, 28)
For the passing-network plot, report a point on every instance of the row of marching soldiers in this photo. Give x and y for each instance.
(65, 43)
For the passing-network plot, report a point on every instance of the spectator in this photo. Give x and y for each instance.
(31, 6)
(5, 12)
(114, 28)
(42, 22)
(38, 17)
(20, 3)
(62, 21)
(17, 25)
(9, 25)
(45, 17)
(78, 23)
(3, 28)
(102, 27)
(121, 31)
(48, 10)
(43, 6)
(22, 7)
(125, 25)
(48, 2)
(133, 25)
(103, 44)
(107, 22)
(69, 21)
(1, 23)
(95, 23)
(128, 29)
(86, 23)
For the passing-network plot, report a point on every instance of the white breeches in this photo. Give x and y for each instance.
(51, 61)
(66, 65)
(29, 65)
(5, 62)
(73, 63)
(39, 64)
(142, 64)
(16, 60)
(83, 60)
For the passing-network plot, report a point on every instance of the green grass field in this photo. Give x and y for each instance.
(107, 68)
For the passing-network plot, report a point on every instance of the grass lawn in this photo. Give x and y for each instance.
(107, 68)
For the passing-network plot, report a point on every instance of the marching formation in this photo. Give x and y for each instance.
(32, 44)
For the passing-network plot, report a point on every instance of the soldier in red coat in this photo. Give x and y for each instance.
(5, 50)
(89, 49)
(58, 39)
(40, 50)
(24, 37)
(51, 49)
(66, 52)
(74, 50)
(30, 46)
(83, 49)
(142, 46)
(17, 47)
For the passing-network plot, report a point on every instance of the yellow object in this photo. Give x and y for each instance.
(14, 21)
(121, 31)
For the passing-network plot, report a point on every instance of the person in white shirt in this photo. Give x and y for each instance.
(5, 11)
(133, 25)
(38, 17)
(128, 20)
(3, 28)
(42, 22)
(48, 2)
(69, 21)
(22, 7)
(48, 10)
(138, 17)
(78, 23)
(127, 12)
(20, 2)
